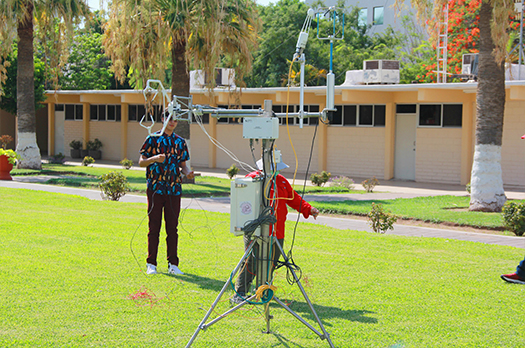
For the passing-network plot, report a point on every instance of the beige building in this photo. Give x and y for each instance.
(421, 132)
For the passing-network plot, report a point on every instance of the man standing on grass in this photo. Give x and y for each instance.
(165, 157)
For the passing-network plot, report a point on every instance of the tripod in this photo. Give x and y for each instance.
(264, 246)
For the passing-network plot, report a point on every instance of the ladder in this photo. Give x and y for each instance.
(442, 53)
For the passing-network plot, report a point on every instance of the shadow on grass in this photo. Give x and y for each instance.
(301, 308)
(328, 312)
(202, 282)
(284, 342)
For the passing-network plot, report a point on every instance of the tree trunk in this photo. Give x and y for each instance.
(180, 86)
(26, 147)
(487, 192)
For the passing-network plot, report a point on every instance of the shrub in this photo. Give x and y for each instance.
(126, 163)
(113, 185)
(58, 158)
(11, 155)
(94, 145)
(468, 187)
(514, 217)
(342, 182)
(381, 220)
(369, 184)
(87, 161)
(232, 171)
(320, 179)
(75, 144)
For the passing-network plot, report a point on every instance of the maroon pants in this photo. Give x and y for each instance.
(171, 206)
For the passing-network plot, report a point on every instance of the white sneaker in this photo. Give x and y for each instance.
(152, 269)
(174, 269)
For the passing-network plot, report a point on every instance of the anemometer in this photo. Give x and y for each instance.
(249, 196)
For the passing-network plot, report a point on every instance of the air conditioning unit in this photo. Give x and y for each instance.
(381, 71)
(224, 78)
(470, 64)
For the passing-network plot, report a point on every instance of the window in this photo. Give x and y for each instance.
(350, 112)
(308, 120)
(362, 17)
(366, 115)
(137, 111)
(406, 108)
(440, 115)
(74, 112)
(452, 115)
(379, 115)
(292, 120)
(359, 115)
(132, 112)
(105, 112)
(378, 15)
(59, 107)
(222, 119)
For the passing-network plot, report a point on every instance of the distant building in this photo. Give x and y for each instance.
(419, 132)
(379, 13)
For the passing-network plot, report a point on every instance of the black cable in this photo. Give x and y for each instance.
(267, 216)
(290, 264)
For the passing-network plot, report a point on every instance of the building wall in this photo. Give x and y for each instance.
(230, 136)
(109, 134)
(72, 131)
(356, 151)
(200, 145)
(443, 155)
(302, 143)
(438, 155)
(513, 147)
(8, 127)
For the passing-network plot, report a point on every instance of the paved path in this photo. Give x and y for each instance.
(387, 191)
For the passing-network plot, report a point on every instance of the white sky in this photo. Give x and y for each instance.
(95, 4)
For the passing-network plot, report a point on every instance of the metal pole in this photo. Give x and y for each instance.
(521, 41)
(202, 325)
(263, 266)
(301, 95)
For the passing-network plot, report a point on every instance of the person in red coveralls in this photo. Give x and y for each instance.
(286, 196)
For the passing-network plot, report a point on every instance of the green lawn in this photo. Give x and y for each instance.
(70, 267)
(435, 209)
(449, 209)
(87, 177)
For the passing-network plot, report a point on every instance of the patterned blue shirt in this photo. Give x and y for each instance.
(165, 178)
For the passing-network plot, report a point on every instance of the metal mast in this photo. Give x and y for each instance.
(442, 53)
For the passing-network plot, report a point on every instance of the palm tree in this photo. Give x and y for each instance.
(487, 193)
(53, 18)
(196, 33)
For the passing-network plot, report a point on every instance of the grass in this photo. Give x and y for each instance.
(70, 267)
(87, 177)
(437, 209)
(440, 209)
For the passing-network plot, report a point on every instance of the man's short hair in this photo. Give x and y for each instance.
(164, 114)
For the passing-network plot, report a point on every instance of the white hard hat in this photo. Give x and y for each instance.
(280, 166)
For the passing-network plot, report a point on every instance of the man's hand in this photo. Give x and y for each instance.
(159, 158)
(314, 212)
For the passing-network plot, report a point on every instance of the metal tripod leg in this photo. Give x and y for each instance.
(325, 334)
(203, 325)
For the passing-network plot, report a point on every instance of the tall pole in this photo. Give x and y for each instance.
(521, 40)
(264, 255)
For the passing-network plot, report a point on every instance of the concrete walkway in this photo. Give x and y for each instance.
(386, 190)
